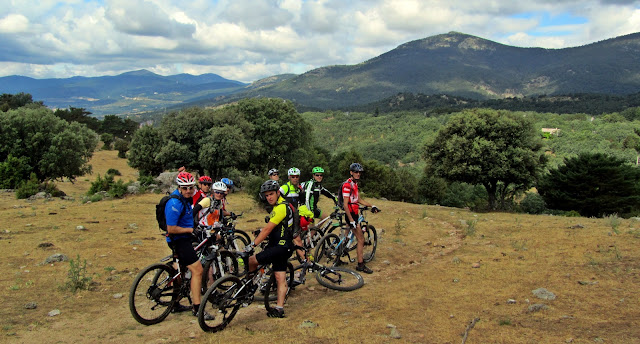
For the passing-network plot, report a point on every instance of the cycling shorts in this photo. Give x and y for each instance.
(317, 213)
(277, 256)
(354, 216)
(184, 250)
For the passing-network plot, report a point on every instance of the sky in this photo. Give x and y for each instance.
(247, 40)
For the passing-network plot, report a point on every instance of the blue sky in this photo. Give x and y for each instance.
(250, 39)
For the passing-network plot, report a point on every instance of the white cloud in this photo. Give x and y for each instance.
(14, 23)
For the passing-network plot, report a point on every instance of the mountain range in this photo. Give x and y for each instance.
(454, 63)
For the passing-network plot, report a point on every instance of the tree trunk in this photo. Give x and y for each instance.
(491, 193)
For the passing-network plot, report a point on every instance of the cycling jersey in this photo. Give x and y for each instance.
(198, 196)
(350, 189)
(282, 217)
(291, 193)
(172, 211)
(211, 213)
(312, 191)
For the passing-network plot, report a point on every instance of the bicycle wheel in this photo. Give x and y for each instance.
(310, 241)
(220, 301)
(328, 250)
(370, 243)
(211, 268)
(263, 284)
(271, 289)
(243, 235)
(153, 294)
(339, 278)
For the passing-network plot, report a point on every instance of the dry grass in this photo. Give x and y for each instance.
(424, 282)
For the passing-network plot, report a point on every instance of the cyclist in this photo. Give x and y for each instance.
(209, 211)
(350, 202)
(179, 218)
(279, 231)
(229, 183)
(313, 189)
(204, 187)
(274, 174)
(292, 191)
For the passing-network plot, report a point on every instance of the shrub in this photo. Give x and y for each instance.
(114, 172)
(113, 188)
(146, 180)
(118, 189)
(77, 278)
(122, 146)
(13, 172)
(28, 188)
(533, 203)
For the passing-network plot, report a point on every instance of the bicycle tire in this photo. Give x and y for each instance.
(153, 289)
(339, 278)
(210, 268)
(242, 234)
(270, 295)
(221, 302)
(328, 250)
(370, 243)
(262, 287)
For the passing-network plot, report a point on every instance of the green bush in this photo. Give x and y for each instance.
(461, 195)
(146, 180)
(122, 146)
(114, 172)
(13, 172)
(28, 188)
(108, 184)
(77, 277)
(533, 203)
(96, 198)
(118, 189)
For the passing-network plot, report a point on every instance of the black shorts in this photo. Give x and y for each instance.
(317, 213)
(184, 250)
(354, 216)
(277, 256)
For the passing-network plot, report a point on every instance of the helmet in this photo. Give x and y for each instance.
(205, 180)
(269, 185)
(355, 167)
(219, 186)
(293, 172)
(185, 179)
(317, 169)
(227, 181)
(273, 171)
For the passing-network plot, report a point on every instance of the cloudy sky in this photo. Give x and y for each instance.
(247, 40)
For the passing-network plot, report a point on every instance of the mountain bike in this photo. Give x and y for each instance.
(227, 294)
(332, 247)
(157, 289)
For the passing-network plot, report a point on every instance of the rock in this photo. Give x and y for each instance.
(136, 242)
(29, 225)
(192, 335)
(133, 225)
(117, 296)
(54, 312)
(31, 305)
(537, 307)
(308, 324)
(576, 226)
(511, 301)
(45, 245)
(311, 289)
(391, 326)
(386, 262)
(395, 334)
(544, 294)
(54, 258)
(133, 188)
(475, 265)
(587, 282)
(81, 228)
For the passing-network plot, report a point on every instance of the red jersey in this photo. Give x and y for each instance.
(350, 189)
(198, 196)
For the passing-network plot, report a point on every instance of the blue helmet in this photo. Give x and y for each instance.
(227, 181)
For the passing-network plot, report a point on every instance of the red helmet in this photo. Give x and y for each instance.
(205, 179)
(185, 179)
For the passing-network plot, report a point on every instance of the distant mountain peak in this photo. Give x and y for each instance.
(140, 72)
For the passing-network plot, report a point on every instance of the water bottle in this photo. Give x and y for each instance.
(187, 274)
(351, 239)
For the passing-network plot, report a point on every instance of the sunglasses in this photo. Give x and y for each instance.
(205, 184)
(294, 176)
(219, 192)
(275, 174)
(187, 187)
(358, 172)
(319, 175)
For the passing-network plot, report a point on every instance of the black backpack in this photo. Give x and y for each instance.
(160, 217)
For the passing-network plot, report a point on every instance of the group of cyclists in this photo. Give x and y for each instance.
(292, 207)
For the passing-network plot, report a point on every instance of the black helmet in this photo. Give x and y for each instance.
(355, 167)
(269, 185)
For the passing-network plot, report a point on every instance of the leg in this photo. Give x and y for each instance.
(281, 278)
(196, 281)
(360, 248)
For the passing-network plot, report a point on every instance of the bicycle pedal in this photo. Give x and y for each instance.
(352, 260)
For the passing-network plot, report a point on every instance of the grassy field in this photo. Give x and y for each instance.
(437, 269)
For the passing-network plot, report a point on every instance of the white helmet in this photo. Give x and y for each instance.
(219, 186)
(293, 172)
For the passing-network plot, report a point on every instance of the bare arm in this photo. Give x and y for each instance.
(178, 230)
(264, 233)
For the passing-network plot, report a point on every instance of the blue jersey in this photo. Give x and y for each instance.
(172, 211)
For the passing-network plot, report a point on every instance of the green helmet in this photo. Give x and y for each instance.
(317, 169)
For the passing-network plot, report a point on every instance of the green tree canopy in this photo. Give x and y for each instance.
(496, 149)
(593, 184)
(144, 149)
(53, 148)
(79, 115)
